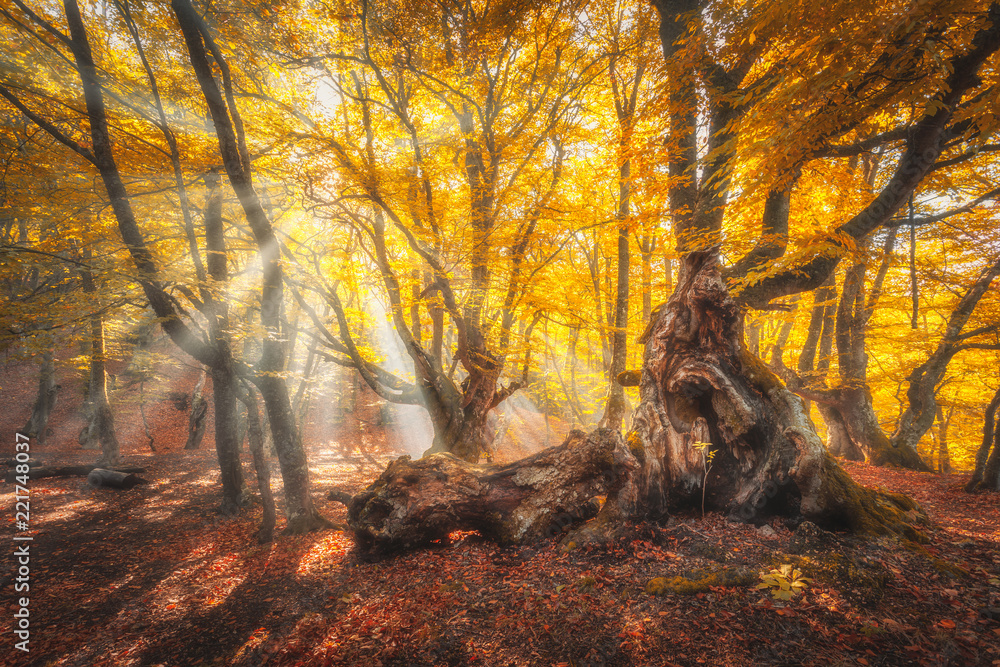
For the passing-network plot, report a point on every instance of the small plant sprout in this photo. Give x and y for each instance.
(707, 454)
(784, 583)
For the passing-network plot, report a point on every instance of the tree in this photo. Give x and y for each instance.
(504, 115)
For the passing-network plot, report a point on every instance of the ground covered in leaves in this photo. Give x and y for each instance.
(154, 576)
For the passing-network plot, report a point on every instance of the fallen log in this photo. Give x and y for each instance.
(417, 502)
(32, 463)
(63, 471)
(113, 479)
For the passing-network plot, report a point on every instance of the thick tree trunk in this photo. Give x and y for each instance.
(417, 502)
(699, 385)
(459, 420)
(45, 401)
(838, 440)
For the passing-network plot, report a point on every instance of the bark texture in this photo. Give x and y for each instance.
(699, 385)
(45, 401)
(986, 474)
(414, 503)
(196, 418)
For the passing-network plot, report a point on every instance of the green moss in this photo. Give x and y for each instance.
(758, 372)
(949, 569)
(699, 581)
(869, 512)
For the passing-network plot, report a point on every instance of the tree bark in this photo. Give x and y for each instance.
(944, 458)
(255, 433)
(224, 391)
(838, 439)
(196, 418)
(414, 503)
(45, 400)
(100, 428)
(615, 406)
(986, 474)
(700, 385)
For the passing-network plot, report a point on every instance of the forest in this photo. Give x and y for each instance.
(500, 332)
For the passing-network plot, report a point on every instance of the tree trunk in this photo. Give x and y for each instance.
(986, 474)
(100, 427)
(926, 378)
(196, 418)
(45, 401)
(227, 445)
(302, 514)
(699, 385)
(414, 503)
(224, 391)
(615, 407)
(855, 405)
(255, 433)
(838, 440)
(991, 473)
(944, 458)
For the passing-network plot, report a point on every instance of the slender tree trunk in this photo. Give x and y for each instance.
(981, 479)
(925, 379)
(198, 414)
(227, 439)
(615, 407)
(646, 251)
(255, 432)
(227, 445)
(45, 401)
(944, 458)
(100, 428)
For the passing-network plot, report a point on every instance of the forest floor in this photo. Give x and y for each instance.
(155, 576)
